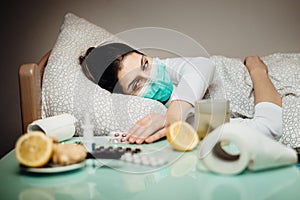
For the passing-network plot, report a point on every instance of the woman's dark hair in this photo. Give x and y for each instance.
(85, 69)
(109, 78)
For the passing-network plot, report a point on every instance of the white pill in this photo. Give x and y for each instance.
(137, 160)
(128, 159)
(127, 154)
(122, 158)
(152, 159)
(153, 163)
(161, 161)
(145, 162)
(144, 157)
(136, 156)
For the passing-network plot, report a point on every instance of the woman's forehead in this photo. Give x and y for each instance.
(131, 62)
(131, 65)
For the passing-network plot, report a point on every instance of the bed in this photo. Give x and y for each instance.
(56, 85)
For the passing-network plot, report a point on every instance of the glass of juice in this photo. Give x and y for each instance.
(209, 114)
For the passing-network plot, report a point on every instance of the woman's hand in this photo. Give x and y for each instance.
(154, 126)
(151, 128)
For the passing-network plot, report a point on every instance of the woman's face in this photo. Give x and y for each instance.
(135, 71)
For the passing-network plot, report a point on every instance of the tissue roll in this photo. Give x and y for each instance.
(256, 151)
(60, 126)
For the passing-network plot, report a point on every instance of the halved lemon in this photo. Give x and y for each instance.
(182, 136)
(34, 149)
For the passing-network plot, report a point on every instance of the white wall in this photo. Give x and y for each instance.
(234, 28)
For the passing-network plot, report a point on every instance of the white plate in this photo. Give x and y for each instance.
(53, 168)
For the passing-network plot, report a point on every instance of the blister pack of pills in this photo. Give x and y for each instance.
(126, 154)
(143, 159)
(110, 152)
(117, 137)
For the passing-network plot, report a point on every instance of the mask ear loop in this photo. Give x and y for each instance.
(149, 81)
(145, 88)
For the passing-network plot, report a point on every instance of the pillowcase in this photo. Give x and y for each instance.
(65, 89)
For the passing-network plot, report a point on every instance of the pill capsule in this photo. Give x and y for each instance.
(117, 134)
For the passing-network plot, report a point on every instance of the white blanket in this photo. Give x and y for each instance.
(234, 83)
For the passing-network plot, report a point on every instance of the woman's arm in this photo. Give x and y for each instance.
(191, 76)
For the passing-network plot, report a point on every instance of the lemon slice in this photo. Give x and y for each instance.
(34, 149)
(182, 136)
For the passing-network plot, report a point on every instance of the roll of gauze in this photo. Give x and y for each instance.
(256, 151)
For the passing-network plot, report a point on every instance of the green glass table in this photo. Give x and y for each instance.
(181, 178)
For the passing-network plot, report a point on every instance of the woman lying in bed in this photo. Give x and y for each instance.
(177, 83)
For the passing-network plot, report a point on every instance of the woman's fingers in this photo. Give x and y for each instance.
(156, 136)
(136, 130)
(142, 133)
(137, 135)
(145, 127)
(148, 136)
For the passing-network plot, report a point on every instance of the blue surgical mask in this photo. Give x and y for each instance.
(159, 86)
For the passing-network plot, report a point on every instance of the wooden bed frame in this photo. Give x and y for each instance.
(30, 83)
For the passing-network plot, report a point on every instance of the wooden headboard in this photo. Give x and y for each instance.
(30, 83)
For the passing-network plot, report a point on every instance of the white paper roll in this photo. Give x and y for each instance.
(60, 126)
(256, 151)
